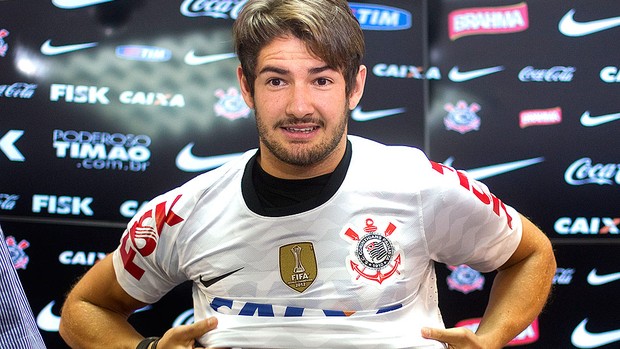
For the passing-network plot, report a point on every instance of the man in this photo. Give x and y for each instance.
(317, 239)
(18, 330)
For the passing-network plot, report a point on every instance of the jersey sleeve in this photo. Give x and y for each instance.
(465, 223)
(146, 262)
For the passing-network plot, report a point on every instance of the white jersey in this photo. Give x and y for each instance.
(354, 272)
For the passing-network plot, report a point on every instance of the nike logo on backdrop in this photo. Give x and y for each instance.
(569, 27)
(188, 162)
(192, 59)
(582, 338)
(589, 121)
(49, 50)
(359, 115)
(72, 4)
(210, 282)
(596, 280)
(47, 320)
(457, 76)
(495, 170)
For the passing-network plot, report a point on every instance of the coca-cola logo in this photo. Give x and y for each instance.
(212, 8)
(553, 74)
(584, 171)
(18, 90)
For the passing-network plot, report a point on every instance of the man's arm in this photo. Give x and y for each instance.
(96, 310)
(518, 294)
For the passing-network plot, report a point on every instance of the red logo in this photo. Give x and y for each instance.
(144, 234)
(488, 20)
(528, 336)
(374, 257)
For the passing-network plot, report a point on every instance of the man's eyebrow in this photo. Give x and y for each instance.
(311, 71)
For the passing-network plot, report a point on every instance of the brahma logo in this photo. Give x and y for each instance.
(488, 20)
(143, 235)
(378, 17)
(528, 336)
(538, 117)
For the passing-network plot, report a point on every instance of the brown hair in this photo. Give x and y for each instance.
(327, 27)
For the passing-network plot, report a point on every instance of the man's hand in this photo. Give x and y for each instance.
(456, 338)
(183, 337)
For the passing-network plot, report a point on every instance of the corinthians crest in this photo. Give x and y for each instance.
(298, 267)
(374, 257)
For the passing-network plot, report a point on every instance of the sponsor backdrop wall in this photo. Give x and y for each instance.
(105, 104)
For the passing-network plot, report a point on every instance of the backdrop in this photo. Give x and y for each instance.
(105, 104)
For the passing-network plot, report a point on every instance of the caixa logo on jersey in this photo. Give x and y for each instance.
(102, 150)
(379, 17)
(585, 171)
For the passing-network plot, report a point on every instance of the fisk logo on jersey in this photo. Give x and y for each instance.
(143, 235)
(472, 187)
(379, 17)
(488, 20)
(375, 258)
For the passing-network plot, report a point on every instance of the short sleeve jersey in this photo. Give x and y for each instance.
(355, 272)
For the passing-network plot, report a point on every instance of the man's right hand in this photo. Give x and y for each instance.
(183, 337)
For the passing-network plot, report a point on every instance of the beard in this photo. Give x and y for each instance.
(302, 154)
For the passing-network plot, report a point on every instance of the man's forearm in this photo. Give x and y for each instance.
(518, 294)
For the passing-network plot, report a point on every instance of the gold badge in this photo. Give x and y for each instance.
(298, 266)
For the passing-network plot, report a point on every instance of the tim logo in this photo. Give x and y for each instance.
(143, 235)
(378, 17)
(374, 258)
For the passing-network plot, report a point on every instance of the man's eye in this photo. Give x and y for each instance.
(275, 82)
(322, 81)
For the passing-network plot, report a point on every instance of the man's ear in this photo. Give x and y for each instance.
(358, 89)
(245, 88)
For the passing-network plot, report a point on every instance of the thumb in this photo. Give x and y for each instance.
(197, 329)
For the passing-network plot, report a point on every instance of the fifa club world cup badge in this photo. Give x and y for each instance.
(374, 257)
(298, 266)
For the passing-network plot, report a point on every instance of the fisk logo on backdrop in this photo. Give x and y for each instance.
(488, 20)
(64, 205)
(379, 17)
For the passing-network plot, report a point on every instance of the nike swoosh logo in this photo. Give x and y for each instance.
(456, 76)
(582, 338)
(590, 121)
(188, 162)
(569, 27)
(47, 320)
(192, 59)
(495, 170)
(359, 115)
(49, 50)
(596, 280)
(210, 282)
(73, 4)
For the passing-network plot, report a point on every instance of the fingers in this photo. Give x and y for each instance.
(199, 328)
(453, 336)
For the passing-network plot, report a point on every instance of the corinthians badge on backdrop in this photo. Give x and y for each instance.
(298, 267)
(374, 258)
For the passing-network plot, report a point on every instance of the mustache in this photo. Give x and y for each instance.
(291, 121)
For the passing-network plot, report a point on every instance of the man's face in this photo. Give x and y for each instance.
(301, 107)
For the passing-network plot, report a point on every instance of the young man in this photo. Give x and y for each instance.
(317, 239)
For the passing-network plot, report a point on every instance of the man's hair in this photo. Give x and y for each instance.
(327, 27)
